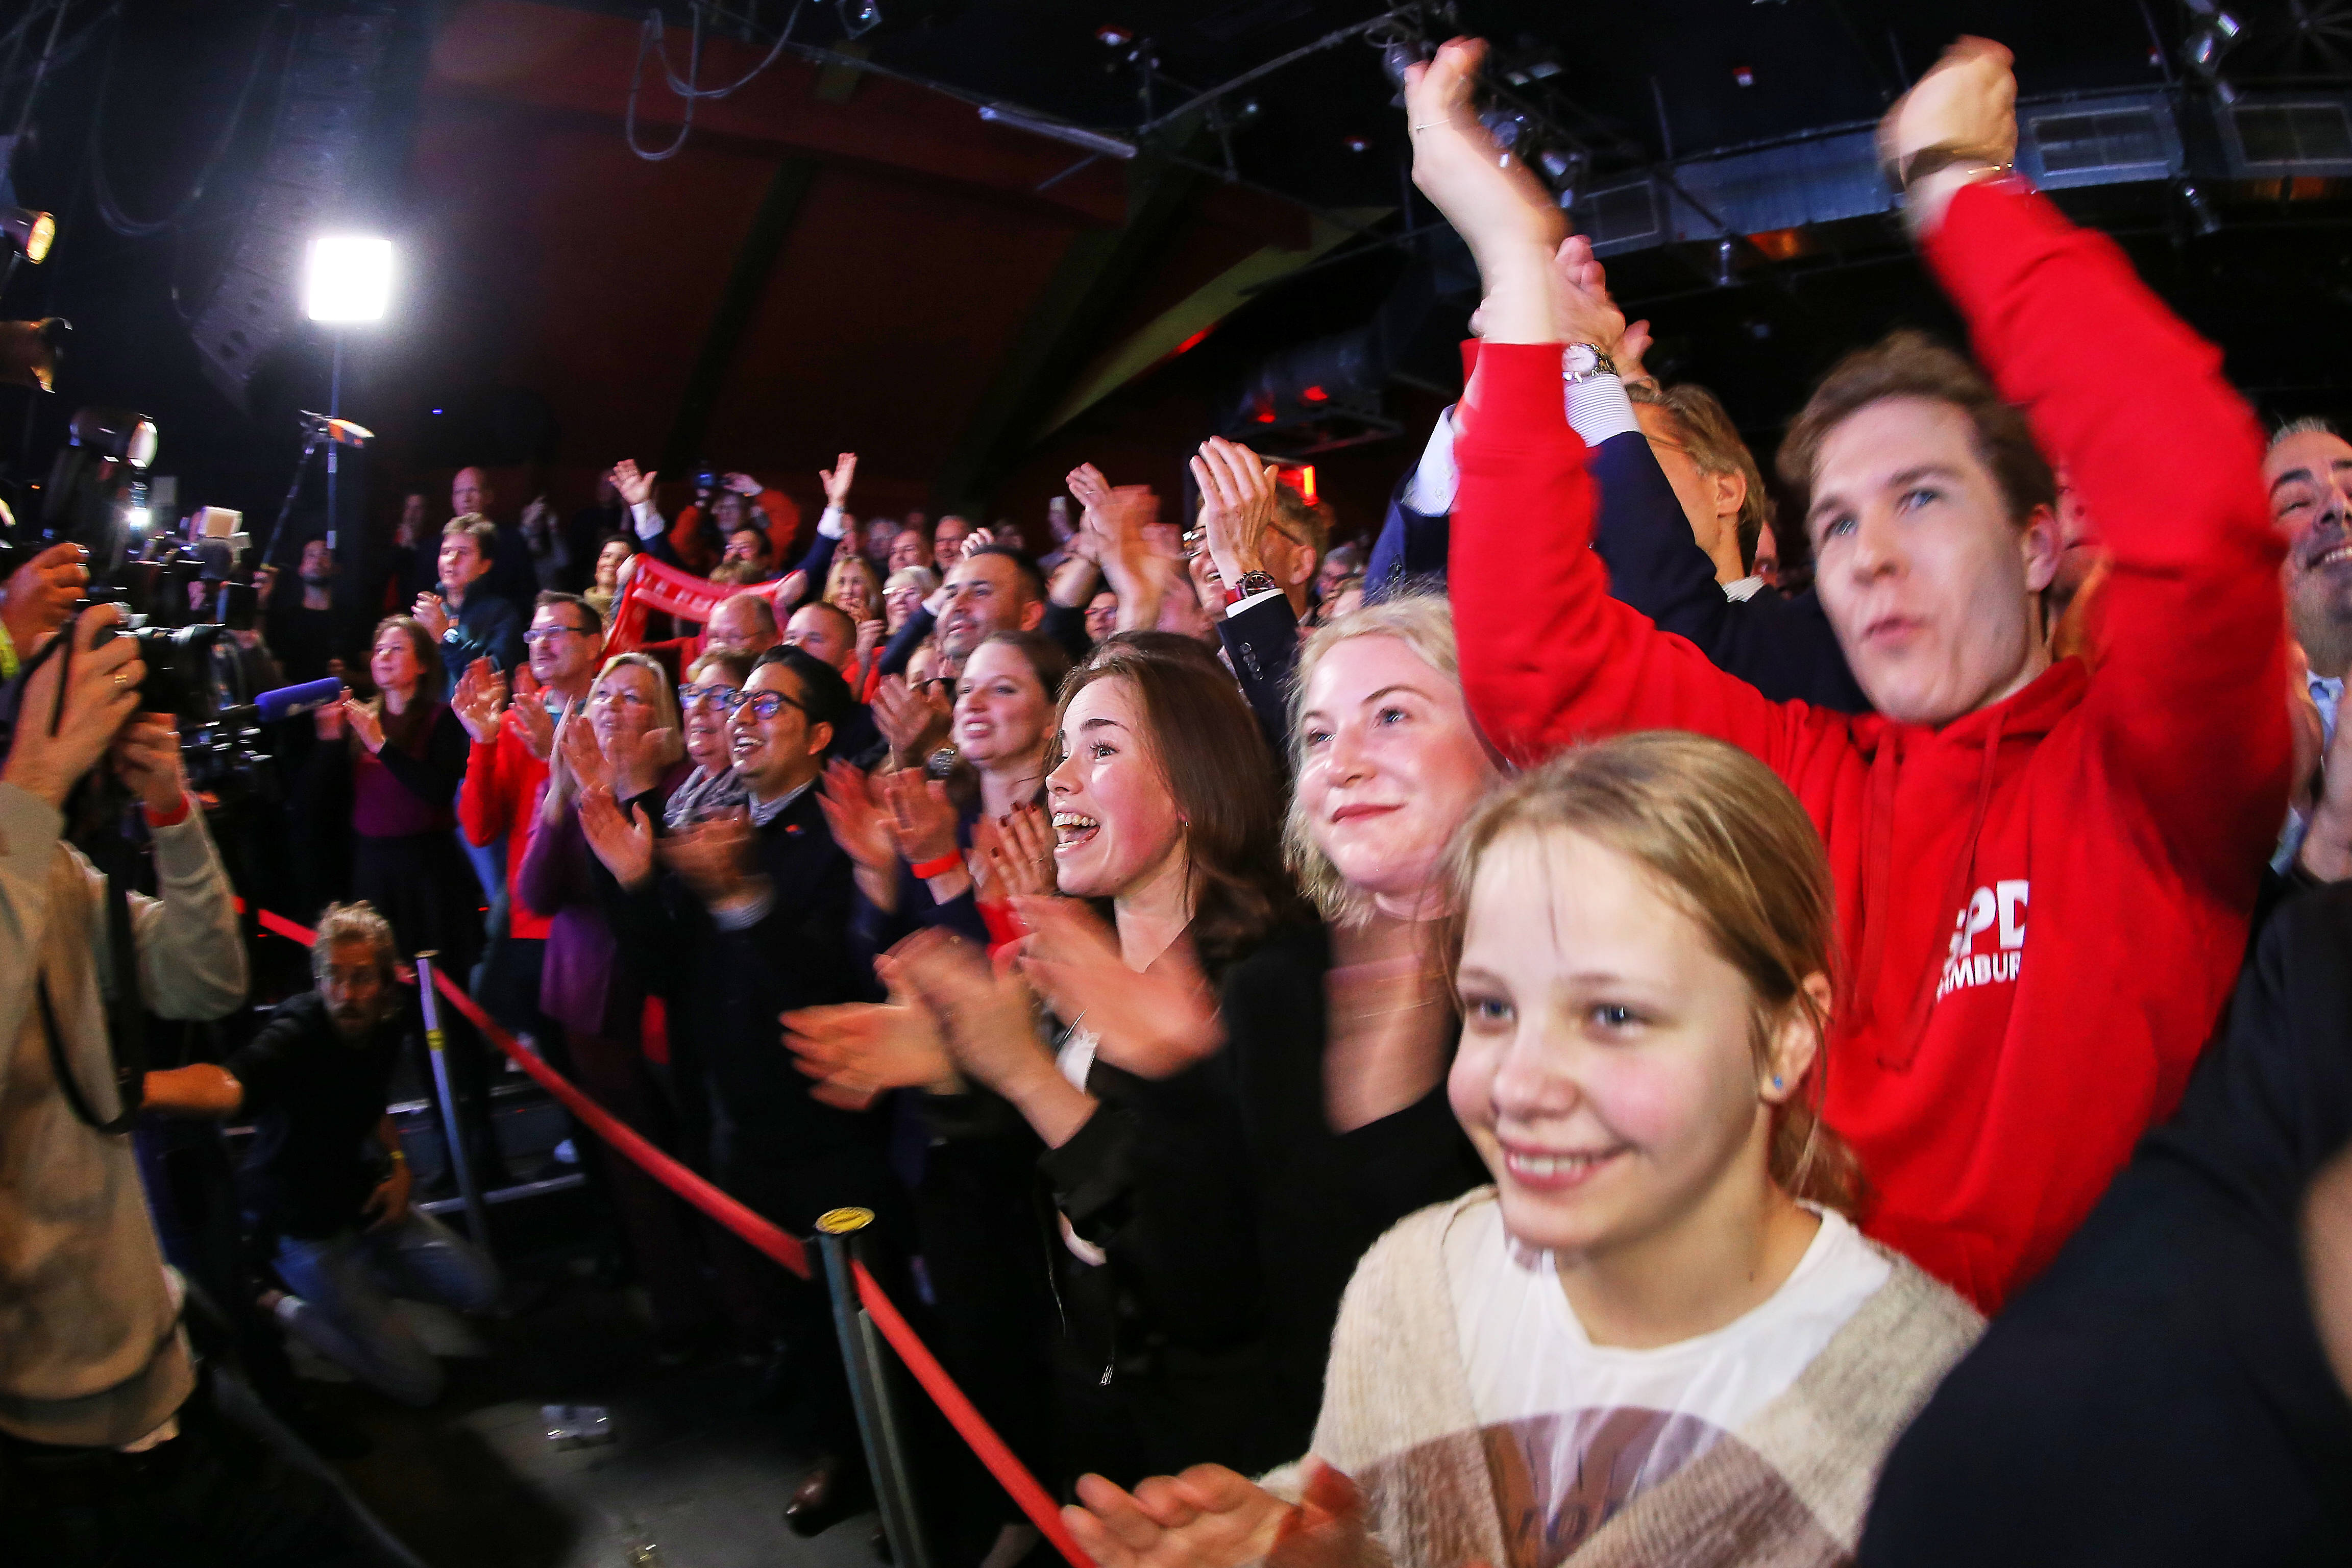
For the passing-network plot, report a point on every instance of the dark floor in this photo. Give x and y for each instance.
(697, 1477)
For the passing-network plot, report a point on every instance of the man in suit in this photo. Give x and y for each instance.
(739, 920)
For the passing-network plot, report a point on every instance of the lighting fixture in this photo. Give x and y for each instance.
(349, 279)
(29, 351)
(28, 232)
(122, 434)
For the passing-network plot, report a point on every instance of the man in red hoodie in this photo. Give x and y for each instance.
(2044, 871)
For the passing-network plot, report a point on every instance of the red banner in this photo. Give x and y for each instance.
(652, 588)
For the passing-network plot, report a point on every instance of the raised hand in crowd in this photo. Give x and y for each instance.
(432, 615)
(528, 716)
(1502, 211)
(40, 595)
(1956, 120)
(624, 843)
(861, 1050)
(836, 479)
(871, 635)
(480, 699)
(1581, 306)
(911, 720)
(1211, 1517)
(1237, 497)
(743, 485)
(1016, 853)
(713, 857)
(633, 485)
(1154, 1024)
(99, 696)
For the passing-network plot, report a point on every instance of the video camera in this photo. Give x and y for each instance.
(183, 599)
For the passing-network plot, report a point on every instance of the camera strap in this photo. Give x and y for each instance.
(126, 1022)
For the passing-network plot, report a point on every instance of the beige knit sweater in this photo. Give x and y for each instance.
(1787, 1489)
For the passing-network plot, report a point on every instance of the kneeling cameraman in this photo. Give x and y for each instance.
(104, 1453)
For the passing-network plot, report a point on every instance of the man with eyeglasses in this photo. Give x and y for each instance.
(737, 920)
(513, 733)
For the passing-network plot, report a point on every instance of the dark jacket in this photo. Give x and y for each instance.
(485, 626)
(725, 989)
(2158, 1396)
(1262, 646)
(1780, 645)
(315, 1100)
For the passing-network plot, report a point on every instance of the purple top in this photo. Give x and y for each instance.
(583, 983)
(408, 787)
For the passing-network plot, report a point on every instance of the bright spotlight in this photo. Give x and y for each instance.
(350, 279)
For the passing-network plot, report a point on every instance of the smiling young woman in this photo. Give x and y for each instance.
(1656, 1337)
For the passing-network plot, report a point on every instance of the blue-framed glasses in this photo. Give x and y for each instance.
(717, 696)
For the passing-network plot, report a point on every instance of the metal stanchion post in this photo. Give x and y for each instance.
(879, 1426)
(478, 1218)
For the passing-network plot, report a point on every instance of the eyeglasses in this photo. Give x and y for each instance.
(717, 696)
(765, 705)
(934, 687)
(538, 635)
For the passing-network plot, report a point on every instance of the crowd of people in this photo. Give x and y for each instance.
(1606, 1023)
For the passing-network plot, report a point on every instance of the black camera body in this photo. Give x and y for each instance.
(182, 600)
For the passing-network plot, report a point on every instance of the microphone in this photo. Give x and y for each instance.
(291, 702)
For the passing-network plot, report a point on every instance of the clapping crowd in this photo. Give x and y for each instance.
(1599, 1024)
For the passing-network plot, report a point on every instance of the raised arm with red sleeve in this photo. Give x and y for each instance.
(2167, 459)
(1549, 658)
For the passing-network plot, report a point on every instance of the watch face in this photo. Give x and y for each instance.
(1579, 359)
(941, 763)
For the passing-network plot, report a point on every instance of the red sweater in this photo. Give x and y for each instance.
(783, 532)
(502, 791)
(1992, 1080)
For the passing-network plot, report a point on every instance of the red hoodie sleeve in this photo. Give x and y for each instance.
(1548, 657)
(2189, 696)
(482, 798)
(686, 540)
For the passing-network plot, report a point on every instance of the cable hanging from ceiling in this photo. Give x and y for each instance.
(111, 210)
(653, 43)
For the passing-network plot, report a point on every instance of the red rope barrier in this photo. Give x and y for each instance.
(762, 1234)
(970, 1425)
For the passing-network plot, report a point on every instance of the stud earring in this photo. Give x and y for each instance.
(1776, 1080)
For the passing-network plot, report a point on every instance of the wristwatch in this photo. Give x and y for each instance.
(1582, 362)
(941, 763)
(1256, 582)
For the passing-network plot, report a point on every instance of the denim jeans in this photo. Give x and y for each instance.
(342, 1288)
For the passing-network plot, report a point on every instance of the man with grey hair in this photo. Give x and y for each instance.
(2308, 474)
(325, 1176)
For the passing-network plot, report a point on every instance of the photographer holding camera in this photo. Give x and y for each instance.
(108, 1452)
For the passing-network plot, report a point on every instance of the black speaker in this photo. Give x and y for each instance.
(316, 149)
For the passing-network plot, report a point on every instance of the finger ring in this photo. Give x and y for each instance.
(119, 684)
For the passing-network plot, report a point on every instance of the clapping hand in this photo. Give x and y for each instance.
(857, 1052)
(1211, 1517)
(1237, 502)
(365, 722)
(906, 718)
(858, 819)
(432, 615)
(1016, 854)
(623, 843)
(580, 761)
(480, 699)
(1154, 1024)
(528, 716)
(713, 857)
(987, 1018)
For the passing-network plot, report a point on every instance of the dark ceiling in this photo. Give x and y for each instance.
(845, 257)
